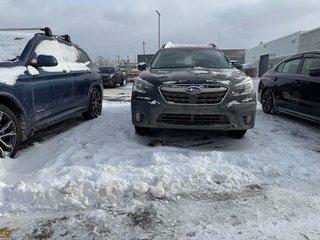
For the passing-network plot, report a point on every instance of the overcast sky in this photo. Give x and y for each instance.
(112, 28)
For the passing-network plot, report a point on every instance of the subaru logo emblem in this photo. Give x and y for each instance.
(193, 90)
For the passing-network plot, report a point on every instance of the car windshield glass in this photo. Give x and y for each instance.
(190, 58)
(12, 45)
(107, 69)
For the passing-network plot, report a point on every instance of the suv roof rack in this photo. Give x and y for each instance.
(65, 37)
(47, 31)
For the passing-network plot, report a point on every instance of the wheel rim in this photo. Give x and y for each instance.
(267, 101)
(96, 102)
(8, 135)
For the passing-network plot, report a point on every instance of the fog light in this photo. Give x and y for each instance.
(138, 117)
(247, 119)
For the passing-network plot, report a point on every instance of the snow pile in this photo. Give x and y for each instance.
(110, 165)
(106, 182)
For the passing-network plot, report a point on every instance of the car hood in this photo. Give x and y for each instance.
(158, 77)
(8, 64)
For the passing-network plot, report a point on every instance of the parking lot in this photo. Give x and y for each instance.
(98, 179)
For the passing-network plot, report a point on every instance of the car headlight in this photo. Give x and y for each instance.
(142, 86)
(243, 87)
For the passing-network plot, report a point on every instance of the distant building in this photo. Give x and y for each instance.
(235, 54)
(263, 57)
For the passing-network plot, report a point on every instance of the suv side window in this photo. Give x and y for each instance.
(47, 47)
(291, 66)
(280, 67)
(308, 64)
(83, 56)
(70, 53)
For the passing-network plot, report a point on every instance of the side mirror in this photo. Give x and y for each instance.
(142, 66)
(314, 72)
(237, 65)
(46, 61)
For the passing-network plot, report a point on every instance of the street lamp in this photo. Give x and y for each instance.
(158, 28)
(144, 50)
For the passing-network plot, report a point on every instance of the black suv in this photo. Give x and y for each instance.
(45, 82)
(192, 87)
(293, 87)
(111, 76)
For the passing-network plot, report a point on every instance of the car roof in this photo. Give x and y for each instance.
(170, 45)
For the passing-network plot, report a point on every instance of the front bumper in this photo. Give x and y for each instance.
(233, 113)
(108, 81)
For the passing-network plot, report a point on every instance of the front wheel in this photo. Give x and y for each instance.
(237, 133)
(267, 101)
(95, 105)
(10, 132)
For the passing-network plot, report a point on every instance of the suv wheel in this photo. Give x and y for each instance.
(267, 101)
(95, 105)
(10, 132)
(237, 133)
(142, 131)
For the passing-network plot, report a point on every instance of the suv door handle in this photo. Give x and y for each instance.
(275, 78)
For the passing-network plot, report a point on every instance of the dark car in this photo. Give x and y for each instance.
(192, 87)
(47, 82)
(293, 87)
(111, 76)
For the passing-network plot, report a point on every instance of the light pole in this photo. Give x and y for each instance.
(158, 28)
(144, 50)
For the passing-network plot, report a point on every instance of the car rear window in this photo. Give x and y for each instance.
(190, 58)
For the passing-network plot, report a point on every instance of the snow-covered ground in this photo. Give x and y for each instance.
(99, 180)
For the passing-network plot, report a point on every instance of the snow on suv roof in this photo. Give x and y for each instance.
(178, 45)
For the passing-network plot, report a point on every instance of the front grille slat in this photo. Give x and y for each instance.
(193, 119)
(210, 94)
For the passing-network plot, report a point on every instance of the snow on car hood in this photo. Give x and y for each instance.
(12, 44)
(193, 76)
(9, 75)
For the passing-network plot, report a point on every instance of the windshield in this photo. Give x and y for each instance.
(106, 69)
(12, 45)
(190, 58)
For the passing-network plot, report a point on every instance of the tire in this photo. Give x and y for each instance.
(267, 101)
(10, 132)
(123, 82)
(237, 133)
(95, 105)
(142, 131)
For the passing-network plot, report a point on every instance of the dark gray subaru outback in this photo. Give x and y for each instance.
(192, 87)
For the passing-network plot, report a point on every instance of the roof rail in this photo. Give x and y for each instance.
(47, 31)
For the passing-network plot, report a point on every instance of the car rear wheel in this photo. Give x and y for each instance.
(237, 133)
(267, 101)
(142, 131)
(10, 132)
(95, 105)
